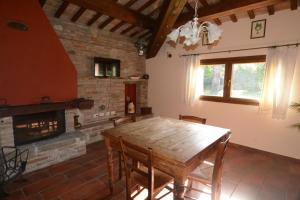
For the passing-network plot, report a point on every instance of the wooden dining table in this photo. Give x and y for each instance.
(178, 146)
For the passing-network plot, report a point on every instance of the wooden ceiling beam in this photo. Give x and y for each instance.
(144, 35)
(233, 18)
(171, 9)
(146, 5)
(154, 11)
(117, 26)
(142, 8)
(226, 8)
(218, 21)
(136, 33)
(78, 14)
(126, 30)
(294, 4)
(115, 10)
(271, 10)
(94, 19)
(106, 22)
(61, 9)
(251, 14)
(189, 7)
(205, 4)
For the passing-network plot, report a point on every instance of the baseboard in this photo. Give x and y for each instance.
(242, 147)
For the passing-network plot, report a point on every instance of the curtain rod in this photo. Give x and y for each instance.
(229, 51)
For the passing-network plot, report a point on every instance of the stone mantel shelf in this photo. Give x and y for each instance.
(80, 103)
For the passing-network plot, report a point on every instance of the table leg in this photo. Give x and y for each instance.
(179, 189)
(110, 164)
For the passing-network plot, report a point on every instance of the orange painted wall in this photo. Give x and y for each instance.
(33, 63)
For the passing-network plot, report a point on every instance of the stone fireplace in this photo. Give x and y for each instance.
(47, 130)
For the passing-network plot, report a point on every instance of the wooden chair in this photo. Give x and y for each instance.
(118, 122)
(142, 174)
(192, 119)
(210, 174)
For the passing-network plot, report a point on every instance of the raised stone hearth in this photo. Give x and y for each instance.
(54, 150)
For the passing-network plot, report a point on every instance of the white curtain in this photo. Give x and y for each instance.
(193, 80)
(279, 74)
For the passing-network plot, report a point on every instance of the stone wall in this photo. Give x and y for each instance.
(83, 43)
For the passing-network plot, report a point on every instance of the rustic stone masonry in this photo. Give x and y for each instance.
(83, 43)
(55, 150)
(6, 132)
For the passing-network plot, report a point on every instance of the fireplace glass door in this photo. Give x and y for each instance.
(38, 126)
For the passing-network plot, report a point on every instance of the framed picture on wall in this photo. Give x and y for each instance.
(258, 29)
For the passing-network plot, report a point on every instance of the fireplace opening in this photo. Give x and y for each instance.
(38, 126)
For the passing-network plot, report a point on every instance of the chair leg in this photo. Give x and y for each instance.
(120, 165)
(2, 192)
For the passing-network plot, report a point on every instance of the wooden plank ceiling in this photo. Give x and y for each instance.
(152, 20)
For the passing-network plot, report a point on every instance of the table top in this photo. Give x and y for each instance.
(174, 139)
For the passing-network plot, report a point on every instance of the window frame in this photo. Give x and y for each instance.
(228, 77)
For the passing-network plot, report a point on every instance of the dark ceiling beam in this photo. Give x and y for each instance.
(146, 5)
(115, 10)
(126, 30)
(94, 19)
(154, 11)
(166, 20)
(271, 9)
(110, 19)
(106, 22)
(142, 8)
(117, 26)
(218, 21)
(78, 14)
(136, 33)
(144, 35)
(42, 2)
(294, 4)
(205, 4)
(132, 26)
(61, 9)
(189, 7)
(251, 14)
(226, 8)
(233, 18)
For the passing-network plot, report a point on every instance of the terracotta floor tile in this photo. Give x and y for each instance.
(43, 184)
(84, 191)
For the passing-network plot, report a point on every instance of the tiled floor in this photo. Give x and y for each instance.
(248, 175)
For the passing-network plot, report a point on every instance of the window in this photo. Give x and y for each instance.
(233, 80)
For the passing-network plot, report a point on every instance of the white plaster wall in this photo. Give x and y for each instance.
(249, 127)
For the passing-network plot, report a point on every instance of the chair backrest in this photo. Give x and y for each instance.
(192, 119)
(124, 120)
(218, 168)
(138, 155)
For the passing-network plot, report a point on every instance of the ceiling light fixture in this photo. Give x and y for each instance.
(193, 31)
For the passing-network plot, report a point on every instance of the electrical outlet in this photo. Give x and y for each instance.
(113, 113)
(101, 114)
(96, 115)
(107, 114)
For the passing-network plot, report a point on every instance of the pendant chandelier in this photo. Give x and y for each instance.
(193, 31)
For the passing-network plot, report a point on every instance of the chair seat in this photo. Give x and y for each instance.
(160, 179)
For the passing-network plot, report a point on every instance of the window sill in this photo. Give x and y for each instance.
(230, 100)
